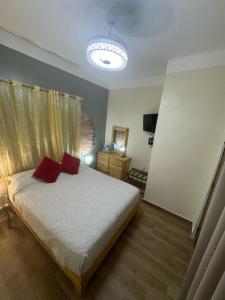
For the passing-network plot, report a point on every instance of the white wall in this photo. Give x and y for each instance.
(126, 108)
(189, 132)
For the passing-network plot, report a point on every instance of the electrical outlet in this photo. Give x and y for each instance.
(150, 141)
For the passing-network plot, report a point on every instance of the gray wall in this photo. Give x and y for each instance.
(17, 66)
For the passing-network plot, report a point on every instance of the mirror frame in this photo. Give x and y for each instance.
(126, 131)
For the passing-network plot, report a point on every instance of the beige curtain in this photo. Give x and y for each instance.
(65, 117)
(34, 123)
(205, 278)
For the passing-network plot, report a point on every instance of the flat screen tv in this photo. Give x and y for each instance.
(149, 122)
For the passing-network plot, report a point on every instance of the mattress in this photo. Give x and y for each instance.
(76, 216)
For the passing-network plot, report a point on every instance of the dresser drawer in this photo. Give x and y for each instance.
(115, 174)
(102, 166)
(113, 165)
(116, 162)
(103, 158)
(116, 169)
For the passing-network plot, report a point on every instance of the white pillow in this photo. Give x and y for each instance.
(20, 180)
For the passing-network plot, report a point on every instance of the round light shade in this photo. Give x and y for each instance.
(107, 53)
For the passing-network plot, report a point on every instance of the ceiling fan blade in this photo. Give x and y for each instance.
(138, 18)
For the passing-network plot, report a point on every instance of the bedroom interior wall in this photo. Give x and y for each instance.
(126, 108)
(189, 136)
(17, 66)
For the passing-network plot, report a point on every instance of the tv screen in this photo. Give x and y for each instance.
(149, 122)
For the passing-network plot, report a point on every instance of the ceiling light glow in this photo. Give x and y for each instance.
(107, 53)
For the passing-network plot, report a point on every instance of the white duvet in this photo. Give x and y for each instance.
(75, 216)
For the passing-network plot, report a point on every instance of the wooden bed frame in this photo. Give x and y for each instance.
(80, 281)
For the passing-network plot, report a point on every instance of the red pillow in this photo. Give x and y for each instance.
(48, 170)
(70, 164)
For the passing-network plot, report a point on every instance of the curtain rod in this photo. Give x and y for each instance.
(30, 86)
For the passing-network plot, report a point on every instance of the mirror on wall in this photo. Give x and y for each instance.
(119, 140)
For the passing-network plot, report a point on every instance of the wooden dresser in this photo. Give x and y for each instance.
(114, 165)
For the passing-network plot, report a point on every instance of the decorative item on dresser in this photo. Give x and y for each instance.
(114, 165)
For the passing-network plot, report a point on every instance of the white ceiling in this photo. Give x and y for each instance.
(155, 31)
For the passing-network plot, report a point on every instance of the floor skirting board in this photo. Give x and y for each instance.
(190, 223)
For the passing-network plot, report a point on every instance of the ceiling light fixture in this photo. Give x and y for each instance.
(108, 53)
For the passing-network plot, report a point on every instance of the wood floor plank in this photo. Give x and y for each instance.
(19, 288)
(3, 290)
(148, 262)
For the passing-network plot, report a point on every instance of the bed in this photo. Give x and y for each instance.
(76, 219)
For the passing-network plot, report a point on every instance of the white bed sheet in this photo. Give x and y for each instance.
(75, 216)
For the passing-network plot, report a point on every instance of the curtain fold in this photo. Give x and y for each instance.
(55, 123)
(35, 123)
(205, 277)
(220, 290)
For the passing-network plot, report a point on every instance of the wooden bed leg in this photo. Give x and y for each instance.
(81, 285)
(78, 282)
(78, 290)
(7, 207)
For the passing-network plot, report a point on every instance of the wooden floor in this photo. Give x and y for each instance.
(148, 262)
